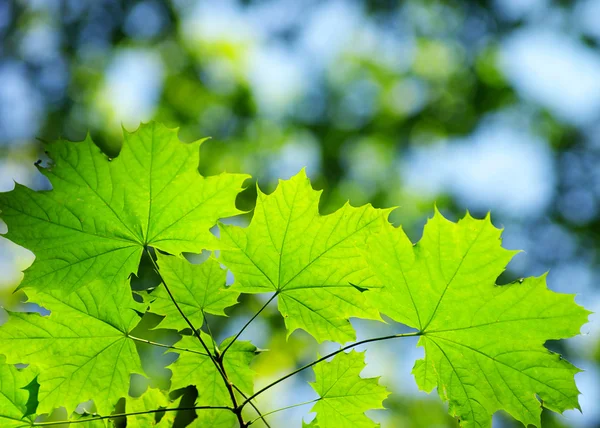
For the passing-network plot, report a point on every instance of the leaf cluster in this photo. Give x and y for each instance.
(484, 343)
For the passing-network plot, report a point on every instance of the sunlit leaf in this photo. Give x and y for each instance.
(82, 349)
(103, 212)
(14, 397)
(344, 395)
(311, 261)
(197, 289)
(484, 343)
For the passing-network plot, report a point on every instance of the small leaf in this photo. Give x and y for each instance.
(194, 368)
(14, 396)
(152, 399)
(197, 289)
(345, 396)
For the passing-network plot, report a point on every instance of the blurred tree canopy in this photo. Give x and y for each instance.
(479, 105)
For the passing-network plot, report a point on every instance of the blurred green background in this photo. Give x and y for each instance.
(479, 105)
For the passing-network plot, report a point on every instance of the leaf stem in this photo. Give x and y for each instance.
(218, 362)
(121, 415)
(249, 321)
(236, 409)
(217, 352)
(185, 317)
(285, 408)
(260, 415)
(162, 345)
(352, 345)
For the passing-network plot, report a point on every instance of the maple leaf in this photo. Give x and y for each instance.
(344, 395)
(311, 262)
(82, 349)
(102, 213)
(218, 418)
(196, 368)
(14, 397)
(152, 399)
(484, 343)
(197, 288)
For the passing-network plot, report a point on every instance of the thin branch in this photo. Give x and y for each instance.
(162, 345)
(236, 409)
(284, 408)
(217, 352)
(185, 317)
(260, 415)
(121, 415)
(217, 362)
(352, 345)
(249, 321)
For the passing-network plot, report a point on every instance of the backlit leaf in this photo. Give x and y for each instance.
(82, 349)
(197, 289)
(103, 212)
(195, 368)
(344, 395)
(484, 343)
(311, 261)
(13, 396)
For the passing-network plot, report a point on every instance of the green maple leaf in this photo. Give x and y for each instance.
(197, 289)
(312, 262)
(14, 397)
(90, 422)
(214, 419)
(82, 348)
(102, 213)
(484, 343)
(152, 399)
(344, 395)
(196, 368)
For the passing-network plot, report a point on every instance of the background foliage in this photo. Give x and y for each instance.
(478, 105)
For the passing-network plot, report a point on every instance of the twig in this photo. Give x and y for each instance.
(284, 408)
(260, 415)
(217, 362)
(162, 345)
(217, 352)
(248, 323)
(121, 415)
(352, 345)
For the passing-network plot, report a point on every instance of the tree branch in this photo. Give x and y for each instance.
(185, 317)
(249, 321)
(217, 362)
(260, 415)
(284, 408)
(121, 415)
(162, 345)
(217, 352)
(352, 345)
